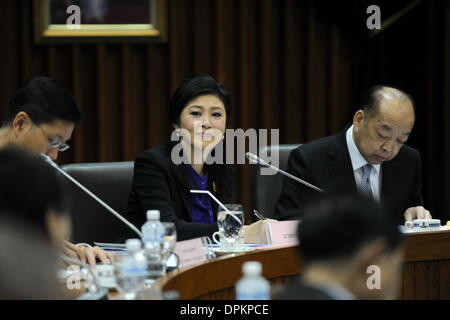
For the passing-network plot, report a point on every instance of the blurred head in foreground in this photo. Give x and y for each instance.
(31, 194)
(348, 240)
(28, 264)
(33, 225)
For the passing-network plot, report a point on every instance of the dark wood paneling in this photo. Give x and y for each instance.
(77, 92)
(181, 42)
(296, 76)
(427, 280)
(226, 42)
(408, 283)
(444, 280)
(318, 73)
(156, 125)
(203, 49)
(133, 100)
(445, 92)
(272, 39)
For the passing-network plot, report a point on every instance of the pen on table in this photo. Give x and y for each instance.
(258, 215)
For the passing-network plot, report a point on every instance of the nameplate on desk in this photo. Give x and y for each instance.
(282, 232)
(190, 252)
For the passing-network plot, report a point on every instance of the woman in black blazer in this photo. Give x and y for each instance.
(163, 176)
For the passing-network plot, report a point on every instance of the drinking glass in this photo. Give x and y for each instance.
(231, 227)
(128, 285)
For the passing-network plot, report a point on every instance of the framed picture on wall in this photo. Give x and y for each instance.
(100, 21)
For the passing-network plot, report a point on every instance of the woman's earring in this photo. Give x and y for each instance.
(180, 134)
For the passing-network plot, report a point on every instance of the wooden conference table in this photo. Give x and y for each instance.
(426, 270)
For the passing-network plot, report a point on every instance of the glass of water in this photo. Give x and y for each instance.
(231, 226)
(129, 273)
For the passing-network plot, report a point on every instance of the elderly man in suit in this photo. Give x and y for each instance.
(369, 156)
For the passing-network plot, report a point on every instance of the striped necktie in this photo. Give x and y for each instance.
(365, 181)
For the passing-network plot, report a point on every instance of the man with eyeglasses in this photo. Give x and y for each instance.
(41, 118)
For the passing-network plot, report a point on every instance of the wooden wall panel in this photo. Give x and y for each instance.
(87, 145)
(426, 277)
(77, 85)
(203, 49)
(444, 280)
(226, 42)
(317, 71)
(181, 42)
(156, 125)
(272, 39)
(133, 100)
(408, 285)
(445, 92)
(294, 88)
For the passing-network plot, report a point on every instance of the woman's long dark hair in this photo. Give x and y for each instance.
(220, 176)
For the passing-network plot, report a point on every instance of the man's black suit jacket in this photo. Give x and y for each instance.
(156, 186)
(326, 163)
(300, 291)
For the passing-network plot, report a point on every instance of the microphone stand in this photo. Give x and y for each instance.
(255, 159)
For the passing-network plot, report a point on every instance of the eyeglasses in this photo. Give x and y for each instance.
(54, 143)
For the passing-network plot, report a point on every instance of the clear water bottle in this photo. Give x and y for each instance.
(152, 236)
(133, 270)
(252, 286)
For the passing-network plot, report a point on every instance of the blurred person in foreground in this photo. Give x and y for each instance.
(28, 264)
(31, 194)
(343, 239)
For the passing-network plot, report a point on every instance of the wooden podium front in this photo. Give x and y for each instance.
(426, 270)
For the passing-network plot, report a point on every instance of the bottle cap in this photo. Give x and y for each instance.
(133, 244)
(252, 268)
(153, 215)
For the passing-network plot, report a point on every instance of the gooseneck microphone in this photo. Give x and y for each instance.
(49, 161)
(255, 159)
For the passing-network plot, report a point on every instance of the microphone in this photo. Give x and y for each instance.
(255, 159)
(49, 161)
